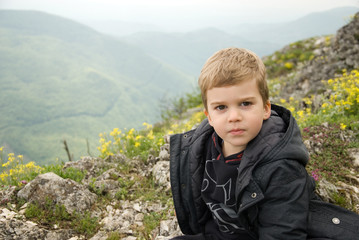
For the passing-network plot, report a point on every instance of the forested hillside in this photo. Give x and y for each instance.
(61, 80)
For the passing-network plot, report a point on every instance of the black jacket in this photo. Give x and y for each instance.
(275, 195)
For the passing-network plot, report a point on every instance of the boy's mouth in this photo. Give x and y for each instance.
(236, 131)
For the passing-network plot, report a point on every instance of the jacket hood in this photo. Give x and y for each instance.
(279, 139)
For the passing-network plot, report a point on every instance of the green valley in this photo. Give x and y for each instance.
(61, 80)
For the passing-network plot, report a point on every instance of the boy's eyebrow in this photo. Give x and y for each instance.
(216, 103)
(240, 100)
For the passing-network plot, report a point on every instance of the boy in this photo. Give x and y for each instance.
(241, 174)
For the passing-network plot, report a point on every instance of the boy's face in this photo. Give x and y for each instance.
(236, 113)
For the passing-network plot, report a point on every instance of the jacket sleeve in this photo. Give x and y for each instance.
(186, 177)
(181, 183)
(178, 156)
(283, 213)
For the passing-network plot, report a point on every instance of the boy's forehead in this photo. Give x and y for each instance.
(244, 89)
(242, 83)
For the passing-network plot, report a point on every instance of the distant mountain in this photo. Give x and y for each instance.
(314, 24)
(121, 28)
(61, 80)
(188, 51)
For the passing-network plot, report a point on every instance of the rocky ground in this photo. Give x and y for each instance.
(330, 55)
(125, 217)
(117, 215)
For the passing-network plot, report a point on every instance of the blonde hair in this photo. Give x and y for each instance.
(230, 66)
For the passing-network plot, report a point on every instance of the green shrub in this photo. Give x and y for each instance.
(71, 173)
(85, 224)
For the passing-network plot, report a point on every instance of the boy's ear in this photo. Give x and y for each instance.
(208, 117)
(267, 110)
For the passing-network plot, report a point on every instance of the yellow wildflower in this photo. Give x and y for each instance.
(291, 109)
(300, 113)
(288, 65)
(115, 132)
(150, 135)
(3, 176)
(147, 125)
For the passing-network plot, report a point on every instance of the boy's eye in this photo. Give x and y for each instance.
(246, 104)
(220, 107)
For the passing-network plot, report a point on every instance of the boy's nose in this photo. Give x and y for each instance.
(234, 115)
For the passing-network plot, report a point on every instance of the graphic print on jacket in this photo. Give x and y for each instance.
(218, 186)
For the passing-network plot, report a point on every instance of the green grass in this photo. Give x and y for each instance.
(330, 159)
(50, 214)
(284, 62)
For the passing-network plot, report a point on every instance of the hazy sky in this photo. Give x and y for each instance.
(173, 13)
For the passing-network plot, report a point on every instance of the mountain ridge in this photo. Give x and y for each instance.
(316, 23)
(261, 39)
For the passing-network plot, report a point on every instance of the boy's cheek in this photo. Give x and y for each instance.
(210, 122)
